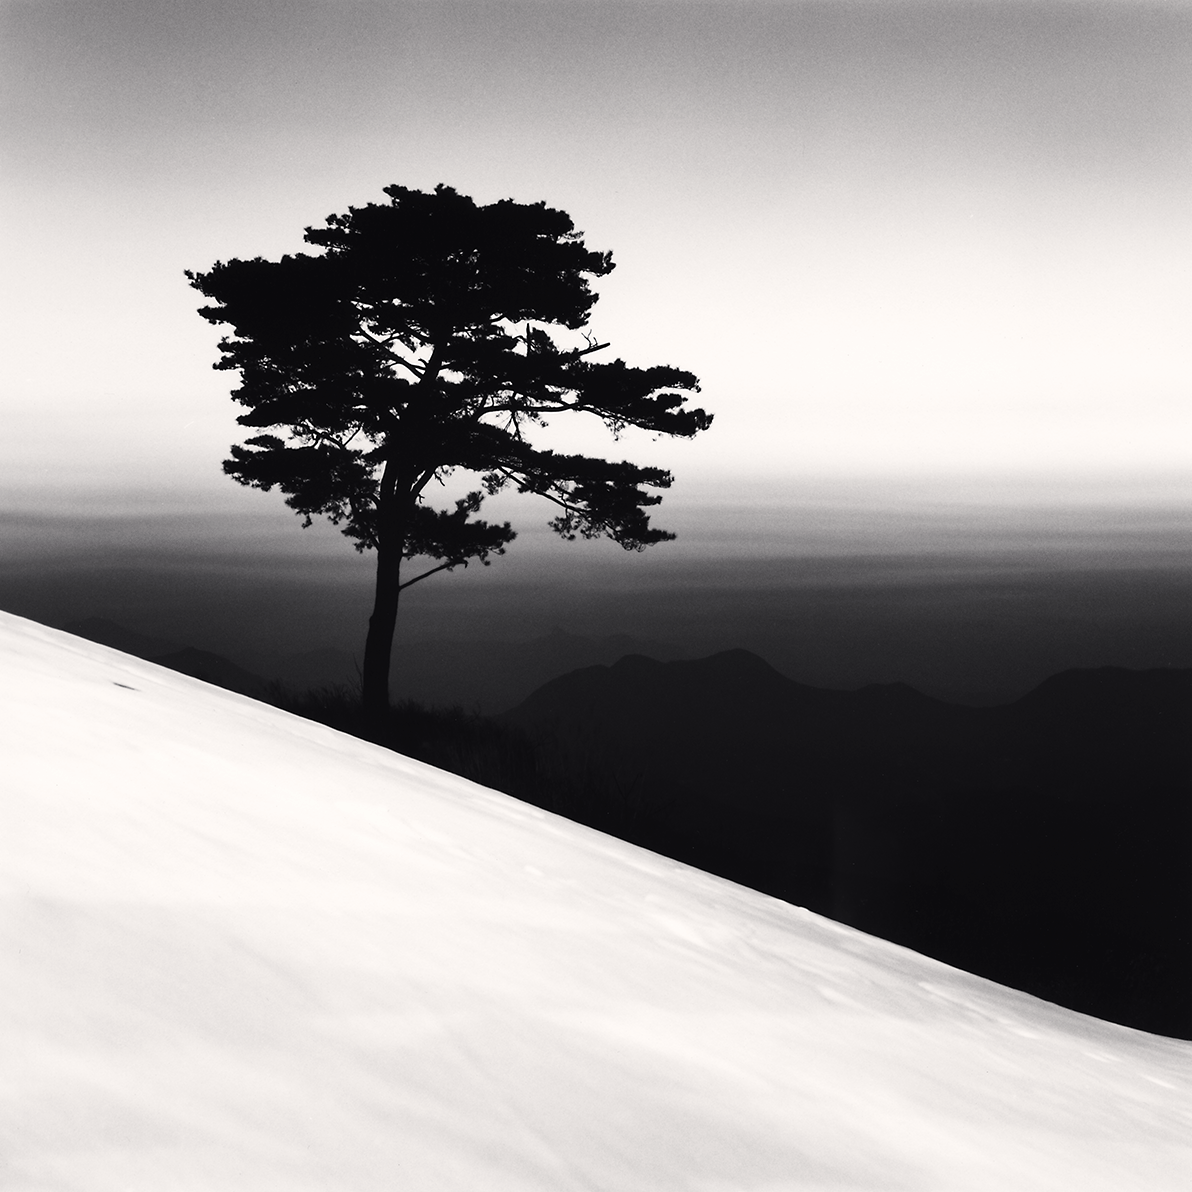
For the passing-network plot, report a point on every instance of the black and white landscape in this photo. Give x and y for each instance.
(843, 839)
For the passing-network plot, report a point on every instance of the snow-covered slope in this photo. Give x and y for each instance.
(244, 952)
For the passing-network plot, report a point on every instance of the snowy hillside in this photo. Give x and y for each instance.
(243, 953)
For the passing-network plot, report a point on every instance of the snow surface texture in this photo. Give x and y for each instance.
(244, 952)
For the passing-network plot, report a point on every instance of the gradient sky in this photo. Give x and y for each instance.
(943, 243)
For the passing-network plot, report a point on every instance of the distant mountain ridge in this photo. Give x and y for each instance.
(187, 660)
(483, 676)
(491, 677)
(1045, 843)
(214, 668)
(706, 723)
(108, 633)
(1103, 723)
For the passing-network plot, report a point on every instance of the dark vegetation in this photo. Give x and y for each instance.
(551, 770)
(1046, 844)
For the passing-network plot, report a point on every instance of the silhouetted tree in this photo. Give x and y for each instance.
(415, 344)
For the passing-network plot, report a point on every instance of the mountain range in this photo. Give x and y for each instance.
(477, 675)
(1045, 843)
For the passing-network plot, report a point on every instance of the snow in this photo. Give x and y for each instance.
(244, 952)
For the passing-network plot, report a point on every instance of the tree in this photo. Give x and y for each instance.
(422, 340)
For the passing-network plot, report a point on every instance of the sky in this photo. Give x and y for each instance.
(243, 951)
(929, 260)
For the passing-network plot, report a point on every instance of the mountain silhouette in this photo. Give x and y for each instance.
(1044, 843)
(476, 675)
(214, 668)
(108, 633)
(491, 676)
(250, 674)
(187, 660)
(708, 729)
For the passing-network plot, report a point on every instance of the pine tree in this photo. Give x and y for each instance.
(422, 340)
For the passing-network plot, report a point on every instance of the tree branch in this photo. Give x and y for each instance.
(441, 567)
(423, 481)
(319, 436)
(384, 346)
(550, 496)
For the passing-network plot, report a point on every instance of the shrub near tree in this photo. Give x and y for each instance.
(429, 336)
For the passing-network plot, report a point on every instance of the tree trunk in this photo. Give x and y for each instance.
(378, 646)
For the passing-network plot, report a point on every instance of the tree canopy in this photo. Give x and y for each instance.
(419, 341)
